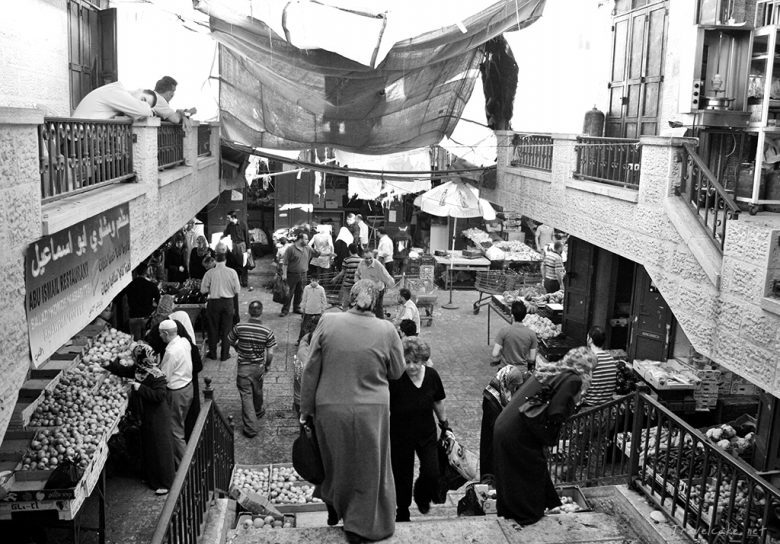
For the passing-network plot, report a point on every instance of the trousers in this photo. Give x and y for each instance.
(403, 446)
(219, 315)
(249, 381)
(179, 401)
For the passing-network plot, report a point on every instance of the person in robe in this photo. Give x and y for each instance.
(353, 356)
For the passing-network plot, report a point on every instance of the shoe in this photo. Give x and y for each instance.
(402, 516)
(249, 435)
(260, 414)
(299, 312)
(210, 355)
(354, 538)
(251, 289)
(495, 363)
(333, 517)
(283, 314)
(423, 503)
(224, 358)
(161, 491)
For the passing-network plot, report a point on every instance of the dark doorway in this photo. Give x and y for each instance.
(652, 325)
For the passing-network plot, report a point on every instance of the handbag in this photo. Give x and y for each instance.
(461, 459)
(306, 457)
(449, 478)
(534, 408)
(281, 290)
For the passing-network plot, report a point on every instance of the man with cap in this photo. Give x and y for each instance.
(177, 366)
(254, 343)
(222, 286)
(240, 236)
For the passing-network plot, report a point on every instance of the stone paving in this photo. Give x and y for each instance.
(459, 353)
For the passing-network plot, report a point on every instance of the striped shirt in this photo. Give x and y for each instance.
(552, 266)
(349, 266)
(603, 381)
(251, 340)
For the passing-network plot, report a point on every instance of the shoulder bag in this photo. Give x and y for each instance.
(534, 409)
(306, 457)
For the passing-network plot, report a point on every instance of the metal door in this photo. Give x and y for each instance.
(638, 48)
(578, 285)
(651, 320)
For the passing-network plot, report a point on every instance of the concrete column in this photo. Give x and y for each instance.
(20, 224)
(145, 152)
(662, 167)
(191, 145)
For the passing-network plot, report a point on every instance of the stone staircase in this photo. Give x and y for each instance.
(619, 516)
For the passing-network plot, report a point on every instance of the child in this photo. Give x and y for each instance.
(313, 304)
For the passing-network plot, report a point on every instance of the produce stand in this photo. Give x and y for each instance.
(446, 266)
(69, 401)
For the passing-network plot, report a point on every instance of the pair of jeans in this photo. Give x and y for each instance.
(249, 381)
(295, 281)
(219, 315)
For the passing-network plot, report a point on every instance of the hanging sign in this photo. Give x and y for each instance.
(73, 275)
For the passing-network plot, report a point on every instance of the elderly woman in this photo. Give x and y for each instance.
(495, 397)
(198, 256)
(524, 488)
(414, 398)
(353, 356)
(150, 400)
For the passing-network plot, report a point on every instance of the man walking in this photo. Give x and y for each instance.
(371, 269)
(552, 268)
(240, 236)
(516, 344)
(221, 285)
(363, 230)
(254, 343)
(384, 250)
(177, 365)
(295, 265)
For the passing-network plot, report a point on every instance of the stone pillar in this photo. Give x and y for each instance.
(20, 209)
(662, 167)
(145, 152)
(564, 161)
(191, 145)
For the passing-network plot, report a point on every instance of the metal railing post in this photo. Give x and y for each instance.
(636, 433)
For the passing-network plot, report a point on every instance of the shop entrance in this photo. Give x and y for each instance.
(652, 321)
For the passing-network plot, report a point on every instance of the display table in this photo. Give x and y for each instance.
(456, 262)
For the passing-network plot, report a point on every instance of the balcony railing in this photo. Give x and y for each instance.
(204, 140)
(532, 151)
(204, 471)
(81, 154)
(714, 496)
(706, 196)
(614, 161)
(170, 145)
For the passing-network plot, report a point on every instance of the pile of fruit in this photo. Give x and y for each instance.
(568, 506)
(550, 298)
(248, 479)
(107, 346)
(255, 524)
(189, 293)
(626, 379)
(282, 485)
(519, 251)
(726, 438)
(477, 236)
(543, 327)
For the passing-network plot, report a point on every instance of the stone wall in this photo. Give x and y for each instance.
(726, 324)
(34, 56)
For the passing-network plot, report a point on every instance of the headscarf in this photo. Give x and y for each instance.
(362, 295)
(202, 249)
(183, 317)
(346, 236)
(146, 362)
(506, 381)
(581, 360)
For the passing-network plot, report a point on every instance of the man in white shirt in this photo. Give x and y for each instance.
(165, 89)
(177, 365)
(221, 284)
(384, 249)
(363, 228)
(371, 269)
(113, 100)
(407, 309)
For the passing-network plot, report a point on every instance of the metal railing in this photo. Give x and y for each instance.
(204, 471)
(204, 140)
(77, 155)
(706, 196)
(170, 145)
(712, 495)
(614, 161)
(532, 151)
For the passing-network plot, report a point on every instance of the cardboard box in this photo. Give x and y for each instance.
(254, 503)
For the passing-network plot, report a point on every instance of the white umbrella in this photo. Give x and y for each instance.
(455, 199)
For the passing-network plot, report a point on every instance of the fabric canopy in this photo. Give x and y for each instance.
(276, 95)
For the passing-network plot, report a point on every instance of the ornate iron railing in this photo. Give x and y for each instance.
(170, 145)
(204, 140)
(204, 472)
(80, 154)
(706, 196)
(532, 151)
(714, 496)
(615, 161)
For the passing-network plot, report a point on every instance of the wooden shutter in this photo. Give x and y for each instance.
(578, 288)
(108, 49)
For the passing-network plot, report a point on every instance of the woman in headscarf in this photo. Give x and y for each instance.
(345, 390)
(149, 401)
(343, 240)
(524, 488)
(164, 309)
(322, 244)
(185, 330)
(495, 397)
(198, 255)
(176, 260)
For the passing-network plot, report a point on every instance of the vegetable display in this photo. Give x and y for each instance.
(282, 485)
(543, 327)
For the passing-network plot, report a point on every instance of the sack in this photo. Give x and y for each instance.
(281, 290)
(461, 459)
(65, 476)
(306, 458)
(449, 478)
(470, 505)
(250, 261)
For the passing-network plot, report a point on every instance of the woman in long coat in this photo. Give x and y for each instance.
(353, 356)
(524, 488)
(149, 401)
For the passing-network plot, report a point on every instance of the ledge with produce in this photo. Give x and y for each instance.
(64, 417)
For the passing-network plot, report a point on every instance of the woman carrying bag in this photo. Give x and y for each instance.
(528, 425)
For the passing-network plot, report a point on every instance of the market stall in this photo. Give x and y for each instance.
(63, 420)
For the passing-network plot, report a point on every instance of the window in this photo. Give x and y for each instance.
(91, 48)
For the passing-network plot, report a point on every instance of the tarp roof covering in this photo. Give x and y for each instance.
(276, 95)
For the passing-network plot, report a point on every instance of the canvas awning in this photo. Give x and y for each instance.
(276, 95)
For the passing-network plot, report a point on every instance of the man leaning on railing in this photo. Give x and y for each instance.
(113, 100)
(165, 88)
